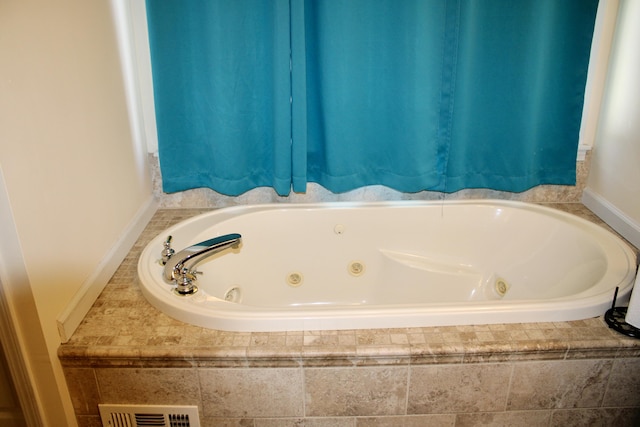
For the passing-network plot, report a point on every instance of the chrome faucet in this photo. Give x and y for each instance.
(179, 268)
(167, 252)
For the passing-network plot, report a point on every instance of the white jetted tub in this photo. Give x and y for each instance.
(393, 264)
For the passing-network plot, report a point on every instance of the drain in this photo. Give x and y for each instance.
(501, 287)
(233, 294)
(295, 279)
(356, 268)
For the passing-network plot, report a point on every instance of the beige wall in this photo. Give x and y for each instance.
(70, 166)
(613, 186)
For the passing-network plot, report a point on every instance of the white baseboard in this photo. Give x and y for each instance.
(618, 220)
(79, 306)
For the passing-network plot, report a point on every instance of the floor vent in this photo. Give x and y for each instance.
(149, 416)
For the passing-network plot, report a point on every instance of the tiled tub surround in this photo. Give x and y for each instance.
(207, 198)
(567, 373)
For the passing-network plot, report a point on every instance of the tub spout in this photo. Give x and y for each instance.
(180, 268)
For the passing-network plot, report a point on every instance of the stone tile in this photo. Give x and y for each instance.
(362, 391)
(614, 417)
(317, 338)
(458, 388)
(505, 419)
(426, 354)
(558, 384)
(226, 422)
(83, 389)
(324, 357)
(624, 384)
(148, 386)
(257, 392)
(306, 422)
(447, 420)
(373, 337)
(89, 421)
(382, 355)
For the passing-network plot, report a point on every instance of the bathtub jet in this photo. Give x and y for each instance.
(331, 266)
(180, 268)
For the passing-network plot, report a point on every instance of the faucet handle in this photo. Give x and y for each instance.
(184, 282)
(167, 252)
(187, 275)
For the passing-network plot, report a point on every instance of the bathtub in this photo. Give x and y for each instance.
(337, 266)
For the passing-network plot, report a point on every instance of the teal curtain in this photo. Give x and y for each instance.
(412, 94)
(519, 91)
(372, 93)
(221, 77)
